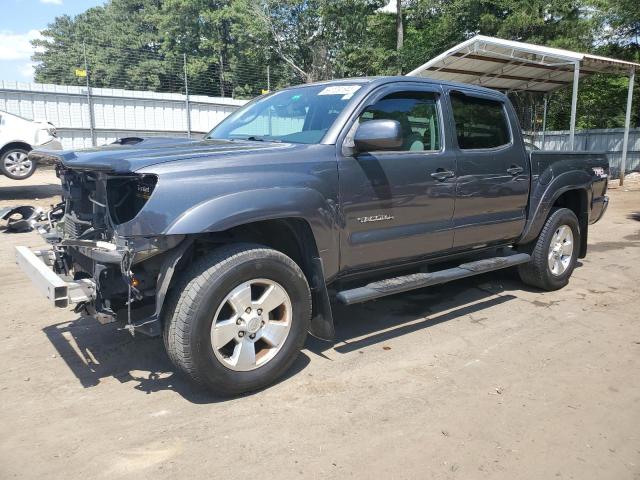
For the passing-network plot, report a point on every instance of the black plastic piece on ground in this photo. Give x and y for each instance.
(24, 223)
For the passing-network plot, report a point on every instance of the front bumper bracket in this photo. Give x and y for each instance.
(60, 292)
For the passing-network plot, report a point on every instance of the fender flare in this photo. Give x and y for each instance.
(228, 211)
(541, 203)
(233, 210)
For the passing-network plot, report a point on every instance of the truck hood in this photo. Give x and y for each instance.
(130, 155)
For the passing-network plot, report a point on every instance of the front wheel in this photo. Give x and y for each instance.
(554, 253)
(16, 164)
(238, 318)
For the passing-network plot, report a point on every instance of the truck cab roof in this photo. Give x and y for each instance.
(376, 81)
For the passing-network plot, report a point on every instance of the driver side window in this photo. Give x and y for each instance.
(417, 113)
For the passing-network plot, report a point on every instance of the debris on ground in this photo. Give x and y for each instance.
(23, 218)
(498, 391)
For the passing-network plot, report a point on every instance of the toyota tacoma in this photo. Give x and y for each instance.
(235, 246)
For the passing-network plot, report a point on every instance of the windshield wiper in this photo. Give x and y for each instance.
(262, 139)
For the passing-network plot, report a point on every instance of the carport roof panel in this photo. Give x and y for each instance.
(509, 65)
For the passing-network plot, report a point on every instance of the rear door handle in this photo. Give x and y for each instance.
(515, 170)
(441, 174)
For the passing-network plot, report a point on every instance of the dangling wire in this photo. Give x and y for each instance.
(125, 267)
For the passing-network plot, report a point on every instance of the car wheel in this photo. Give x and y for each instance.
(554, 253)
(16, 164)
(238, 318)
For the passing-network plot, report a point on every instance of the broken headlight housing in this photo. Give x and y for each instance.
(126, 195)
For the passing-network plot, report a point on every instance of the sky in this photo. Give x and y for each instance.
(20, 22)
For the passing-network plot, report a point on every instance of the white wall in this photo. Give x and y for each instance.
(117, 113)
(598, 140)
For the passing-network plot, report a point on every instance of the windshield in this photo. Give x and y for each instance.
(297, 115)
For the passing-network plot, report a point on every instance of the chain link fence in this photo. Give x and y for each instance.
(95, 94)
(148, 69)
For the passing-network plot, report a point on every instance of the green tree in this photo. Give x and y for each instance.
(230, 44)
(122, 45)
(311, 35)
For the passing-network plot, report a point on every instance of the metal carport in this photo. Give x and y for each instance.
(516, 66)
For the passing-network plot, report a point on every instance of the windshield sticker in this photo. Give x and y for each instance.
(346, 91)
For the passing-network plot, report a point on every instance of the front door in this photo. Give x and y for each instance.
(398, 205)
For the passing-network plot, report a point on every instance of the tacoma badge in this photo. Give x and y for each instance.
(375, 218)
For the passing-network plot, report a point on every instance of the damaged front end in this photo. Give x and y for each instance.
(106, 275)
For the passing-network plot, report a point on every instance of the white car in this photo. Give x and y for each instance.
(18, 136)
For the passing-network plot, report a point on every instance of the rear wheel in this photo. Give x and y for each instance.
(554, 253)
(238, 319)
(16, 164)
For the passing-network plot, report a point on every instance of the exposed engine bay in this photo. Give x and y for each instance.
(83, 231)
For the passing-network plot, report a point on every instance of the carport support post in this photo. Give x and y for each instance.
(627, 124)
(186, 95)
(574, 105)
(544, 121)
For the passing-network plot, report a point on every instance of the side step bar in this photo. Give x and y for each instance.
(391, 286)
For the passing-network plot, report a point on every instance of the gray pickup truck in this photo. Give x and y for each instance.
(235, 246)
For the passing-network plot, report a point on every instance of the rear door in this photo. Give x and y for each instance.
(492, 186)
(398, 205)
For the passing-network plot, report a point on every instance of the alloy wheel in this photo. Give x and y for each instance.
(251, 324)
(18, 164)
(560, 250)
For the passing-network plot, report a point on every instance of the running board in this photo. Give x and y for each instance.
(391, 286)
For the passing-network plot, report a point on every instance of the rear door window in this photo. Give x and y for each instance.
(480, 123)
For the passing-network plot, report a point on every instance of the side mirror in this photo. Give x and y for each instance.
(378, 135)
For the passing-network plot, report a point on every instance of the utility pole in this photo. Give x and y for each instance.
(399, 34)
(92, 127)
(268, 79)
(186, 94)
(544, 121)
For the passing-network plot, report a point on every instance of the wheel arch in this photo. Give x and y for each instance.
(223, 213)
(577, 200)
(15, 144)
(292, 236)
(570, 190)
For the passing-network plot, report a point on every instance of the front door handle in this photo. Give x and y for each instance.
(515, 170)
(441, 174)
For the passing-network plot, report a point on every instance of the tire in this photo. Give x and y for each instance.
(205, 293)
(15, 164)
(548, 268)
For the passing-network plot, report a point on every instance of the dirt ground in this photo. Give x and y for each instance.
(482, 378)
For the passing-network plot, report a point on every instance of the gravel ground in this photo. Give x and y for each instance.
(482, 378)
